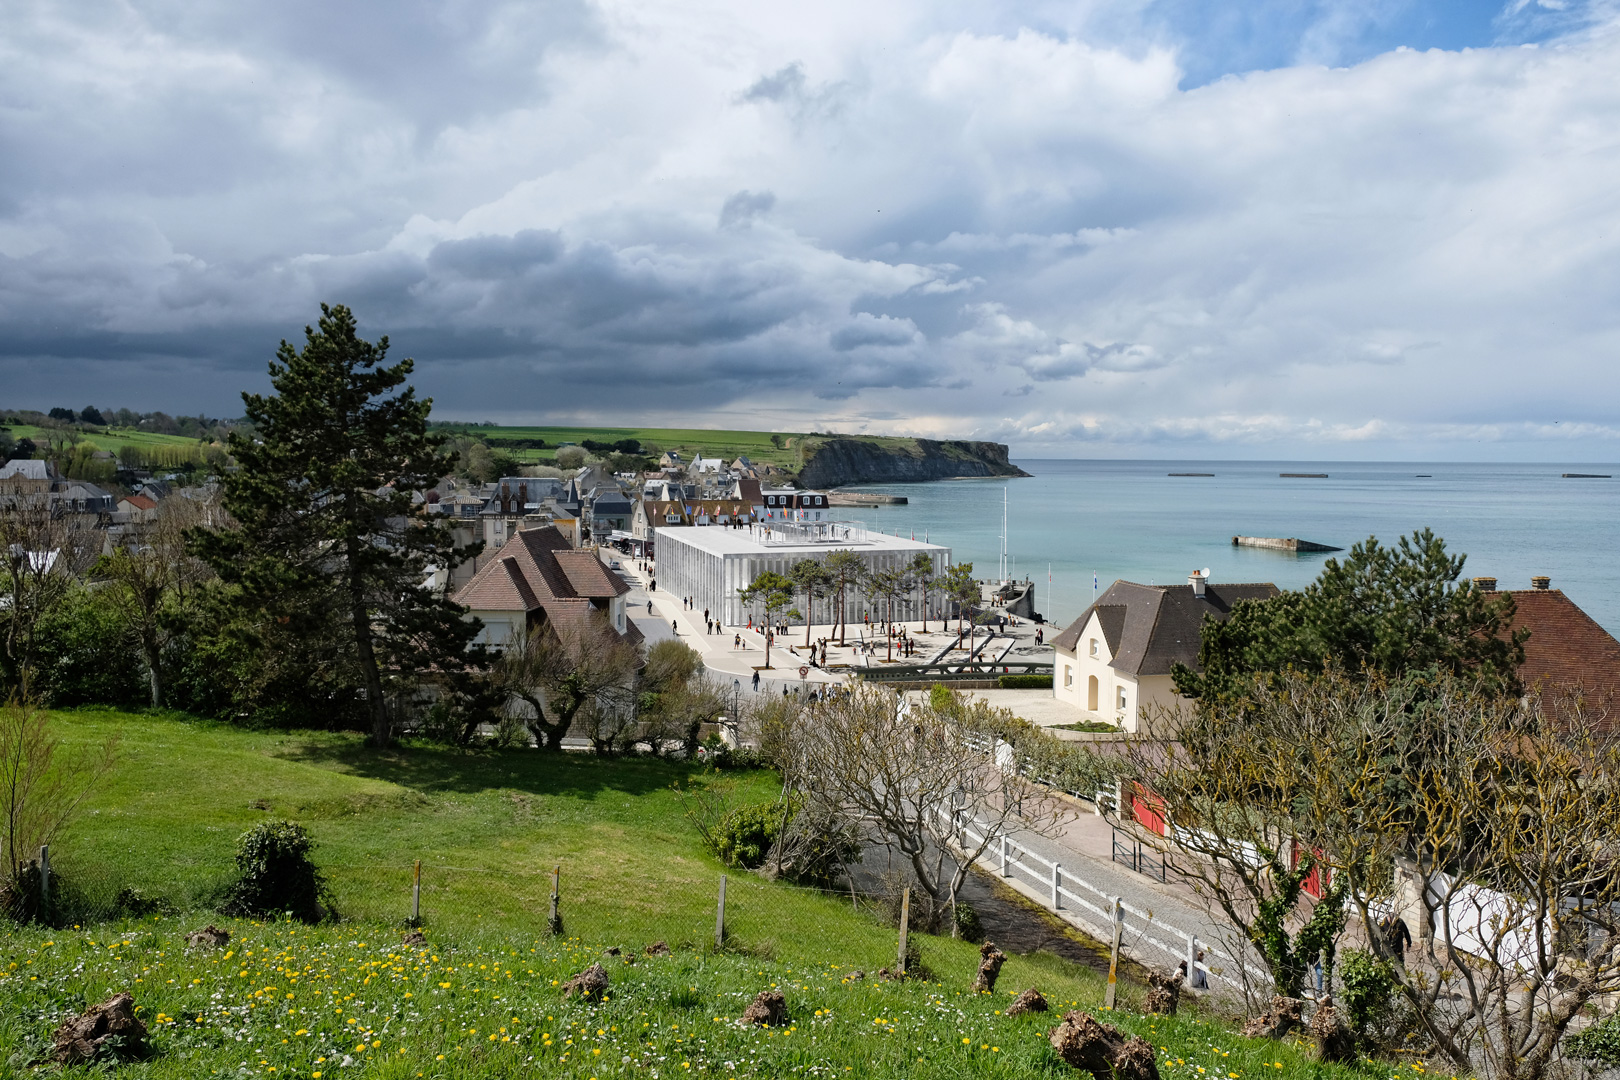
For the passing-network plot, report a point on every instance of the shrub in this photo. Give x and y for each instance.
(1369, 989)
(745, 835)
(277, 874)
(967, 923)
(1600, 1042)
(1025, 682)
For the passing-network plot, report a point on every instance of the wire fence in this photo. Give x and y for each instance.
(604, 902)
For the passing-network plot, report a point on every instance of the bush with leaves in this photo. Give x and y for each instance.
(745, 835)
(1600, 1042)
(278, 876)
(1368, 989)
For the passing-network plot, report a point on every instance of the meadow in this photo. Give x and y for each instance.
(482, 997)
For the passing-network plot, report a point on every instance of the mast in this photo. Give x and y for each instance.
(1002, 568)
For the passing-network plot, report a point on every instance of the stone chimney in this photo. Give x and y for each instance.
(1198, 579)
(1541, 581)
(1485, 584)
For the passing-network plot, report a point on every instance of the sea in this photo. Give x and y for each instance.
(1075, 526)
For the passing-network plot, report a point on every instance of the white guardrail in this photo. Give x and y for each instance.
(1009, 859)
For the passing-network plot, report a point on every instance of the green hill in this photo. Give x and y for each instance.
(483, 998)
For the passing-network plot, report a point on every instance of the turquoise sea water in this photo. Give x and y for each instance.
(1130, 520)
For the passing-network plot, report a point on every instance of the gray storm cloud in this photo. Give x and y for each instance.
(930, 215)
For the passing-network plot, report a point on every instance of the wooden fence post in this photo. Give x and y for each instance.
(1113, 954)
(720, 916)
(45, 881)
(905, 923)
(554, 922)
(416, 895)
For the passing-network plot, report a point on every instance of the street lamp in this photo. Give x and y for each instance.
(736, 698)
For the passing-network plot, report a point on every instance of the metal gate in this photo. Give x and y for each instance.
(1132, 853)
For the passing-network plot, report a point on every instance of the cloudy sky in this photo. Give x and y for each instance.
(1211, 228)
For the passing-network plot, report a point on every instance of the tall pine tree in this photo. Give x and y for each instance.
(327, 542)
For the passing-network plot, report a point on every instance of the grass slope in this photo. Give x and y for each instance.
(482, 1000)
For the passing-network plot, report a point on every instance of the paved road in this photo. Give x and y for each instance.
(1081, 850)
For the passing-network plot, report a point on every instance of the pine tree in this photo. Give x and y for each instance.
(327, 542)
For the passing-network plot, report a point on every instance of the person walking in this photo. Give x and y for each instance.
(756, 682)
(736, 641)
(674, 628)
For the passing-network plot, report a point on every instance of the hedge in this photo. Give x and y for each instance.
(1025, 682)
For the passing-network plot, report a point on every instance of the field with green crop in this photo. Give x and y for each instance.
(756, 445)
(112, 439)
(482, 998)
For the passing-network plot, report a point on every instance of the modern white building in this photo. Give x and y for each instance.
(711, 563)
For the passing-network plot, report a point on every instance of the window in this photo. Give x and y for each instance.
(1093, 646)
(1091, 693)
(1121, 704)
(1068, 675)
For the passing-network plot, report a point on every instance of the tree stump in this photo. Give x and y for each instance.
(415, 938)
(768, 1009)
(1334, 1040)
(1164, 993)
(1101, 1050)
(1275, 1022)
(106, 1030)
(1029, 1001)
(209, 937)
(990, 961)
(589, 984)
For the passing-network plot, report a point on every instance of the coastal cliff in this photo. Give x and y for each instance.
(833, 462)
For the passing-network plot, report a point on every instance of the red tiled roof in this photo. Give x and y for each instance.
(1568, 656)
(141, 502)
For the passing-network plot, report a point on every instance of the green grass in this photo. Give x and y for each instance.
(111, 439)
(488, 827)
(756, 445)
(1094, 726)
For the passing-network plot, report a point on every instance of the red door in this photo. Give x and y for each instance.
(1148, 810)
(1320, 877)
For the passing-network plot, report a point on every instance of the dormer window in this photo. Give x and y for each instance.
(1094, 647)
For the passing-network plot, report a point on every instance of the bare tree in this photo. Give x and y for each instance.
(40, 788)
(152, 577)
(677, 697)
(1492, 827)
(45, 547)
(923, 576)
(910, 778)
(556, 672)
(844, 572)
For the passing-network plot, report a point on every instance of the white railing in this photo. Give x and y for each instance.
(1057, 886)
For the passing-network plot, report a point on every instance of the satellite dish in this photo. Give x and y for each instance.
(1206, 571)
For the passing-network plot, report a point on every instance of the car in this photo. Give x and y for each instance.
(615, 564)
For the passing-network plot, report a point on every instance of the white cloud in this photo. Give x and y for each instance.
(912, 212)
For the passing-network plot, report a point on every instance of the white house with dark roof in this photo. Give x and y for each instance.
(1113, 662)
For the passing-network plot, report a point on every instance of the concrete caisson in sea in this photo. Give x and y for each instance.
(1275, 543)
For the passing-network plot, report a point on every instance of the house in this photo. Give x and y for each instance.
(611, 511)
(787, 504)
(1569, 659)
(515, 499)
(1113, 662)
(701, 465)
(671, 460)
(138, 508)
(539, 579)
(27, 475)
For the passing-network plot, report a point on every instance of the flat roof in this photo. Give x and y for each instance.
(723, 540)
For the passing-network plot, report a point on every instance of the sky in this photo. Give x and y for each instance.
(1302, 229)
